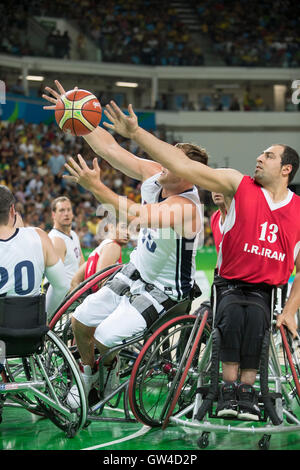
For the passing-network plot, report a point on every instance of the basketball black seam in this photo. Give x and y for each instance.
(80, 109)
(89, 111)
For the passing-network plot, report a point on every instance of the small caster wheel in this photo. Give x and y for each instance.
(264, 442)
(204, 440)
(71, 432)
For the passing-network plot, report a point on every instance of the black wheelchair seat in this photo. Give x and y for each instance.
(23, 325)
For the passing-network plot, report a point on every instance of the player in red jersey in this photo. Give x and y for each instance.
(107, 253)
(260, 246)
(218, 218)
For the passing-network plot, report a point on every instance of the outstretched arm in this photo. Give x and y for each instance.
(104, 145)
(225, 181)
(90, 179)
(176, 212)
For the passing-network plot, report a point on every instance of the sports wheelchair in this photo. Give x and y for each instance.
(37, 369)
(168, 334)
(189, 397)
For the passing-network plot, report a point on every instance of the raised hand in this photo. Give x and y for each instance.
(55, 95)
(122, 124)
(81, 174)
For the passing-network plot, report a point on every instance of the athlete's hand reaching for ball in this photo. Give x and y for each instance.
(55, 95)
(80, 173)
(121, 123)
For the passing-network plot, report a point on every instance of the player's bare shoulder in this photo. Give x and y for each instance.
(43, 236)
(231, 175)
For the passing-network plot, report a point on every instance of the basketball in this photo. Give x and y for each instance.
(78, 112)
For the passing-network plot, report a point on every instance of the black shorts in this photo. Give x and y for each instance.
(242, 317)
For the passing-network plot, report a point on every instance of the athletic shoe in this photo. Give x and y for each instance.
(248, 408)
(111, 376)
(90, 378)
(227, 403)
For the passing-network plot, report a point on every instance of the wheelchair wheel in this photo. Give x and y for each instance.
(291, 364)
(57, 368)
(155, 369)
(59, 319)
(182, 392)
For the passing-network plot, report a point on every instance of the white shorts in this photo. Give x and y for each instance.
(113, 315)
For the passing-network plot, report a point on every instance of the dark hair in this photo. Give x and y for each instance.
(194, 152)
(57, 200)
(289, 156)
(6, 201)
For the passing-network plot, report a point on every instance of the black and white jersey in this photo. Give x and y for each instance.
(163, 257)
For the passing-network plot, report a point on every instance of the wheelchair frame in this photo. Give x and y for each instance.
(282, 396)
(57, 323)
(40, 378)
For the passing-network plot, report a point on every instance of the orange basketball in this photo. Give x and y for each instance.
(78, 112)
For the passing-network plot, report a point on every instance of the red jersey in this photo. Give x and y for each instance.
(261, 238)
(93, 259)
(217, 228)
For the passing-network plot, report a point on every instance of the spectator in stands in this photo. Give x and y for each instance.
(234, 105)
(56, 162)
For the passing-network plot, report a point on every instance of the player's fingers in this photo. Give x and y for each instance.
(116, 108)
(130, 110)
(49, 98)
(70, 178)
(71, 170)
(75, 165)
(53, 92)
(59, 87)
(109, 112)
(49, 107)
(95, 164)
(110, 126)
(82, 162)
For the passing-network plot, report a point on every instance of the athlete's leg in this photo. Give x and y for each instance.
(122, 323)
(248, 376)
(230, 321)
(84, 336)
(93, 310)
(230, 371)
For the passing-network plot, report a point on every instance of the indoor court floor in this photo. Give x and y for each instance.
(21, 430)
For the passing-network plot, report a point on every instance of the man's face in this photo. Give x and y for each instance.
(268, 165)
(166, 177)
(122, 233)
(217, 198)
(63, 214)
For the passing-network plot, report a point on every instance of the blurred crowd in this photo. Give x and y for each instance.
(257, 33)
(150, 32)
(139, 32)
(13, 38)
(32, 159)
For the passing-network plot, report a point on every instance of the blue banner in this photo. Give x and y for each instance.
(32, 112)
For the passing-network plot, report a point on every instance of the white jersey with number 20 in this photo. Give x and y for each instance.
(21, 263)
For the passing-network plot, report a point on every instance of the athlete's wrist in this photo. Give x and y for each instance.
(134, 133)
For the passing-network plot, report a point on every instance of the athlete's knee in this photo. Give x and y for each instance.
(81, 329)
